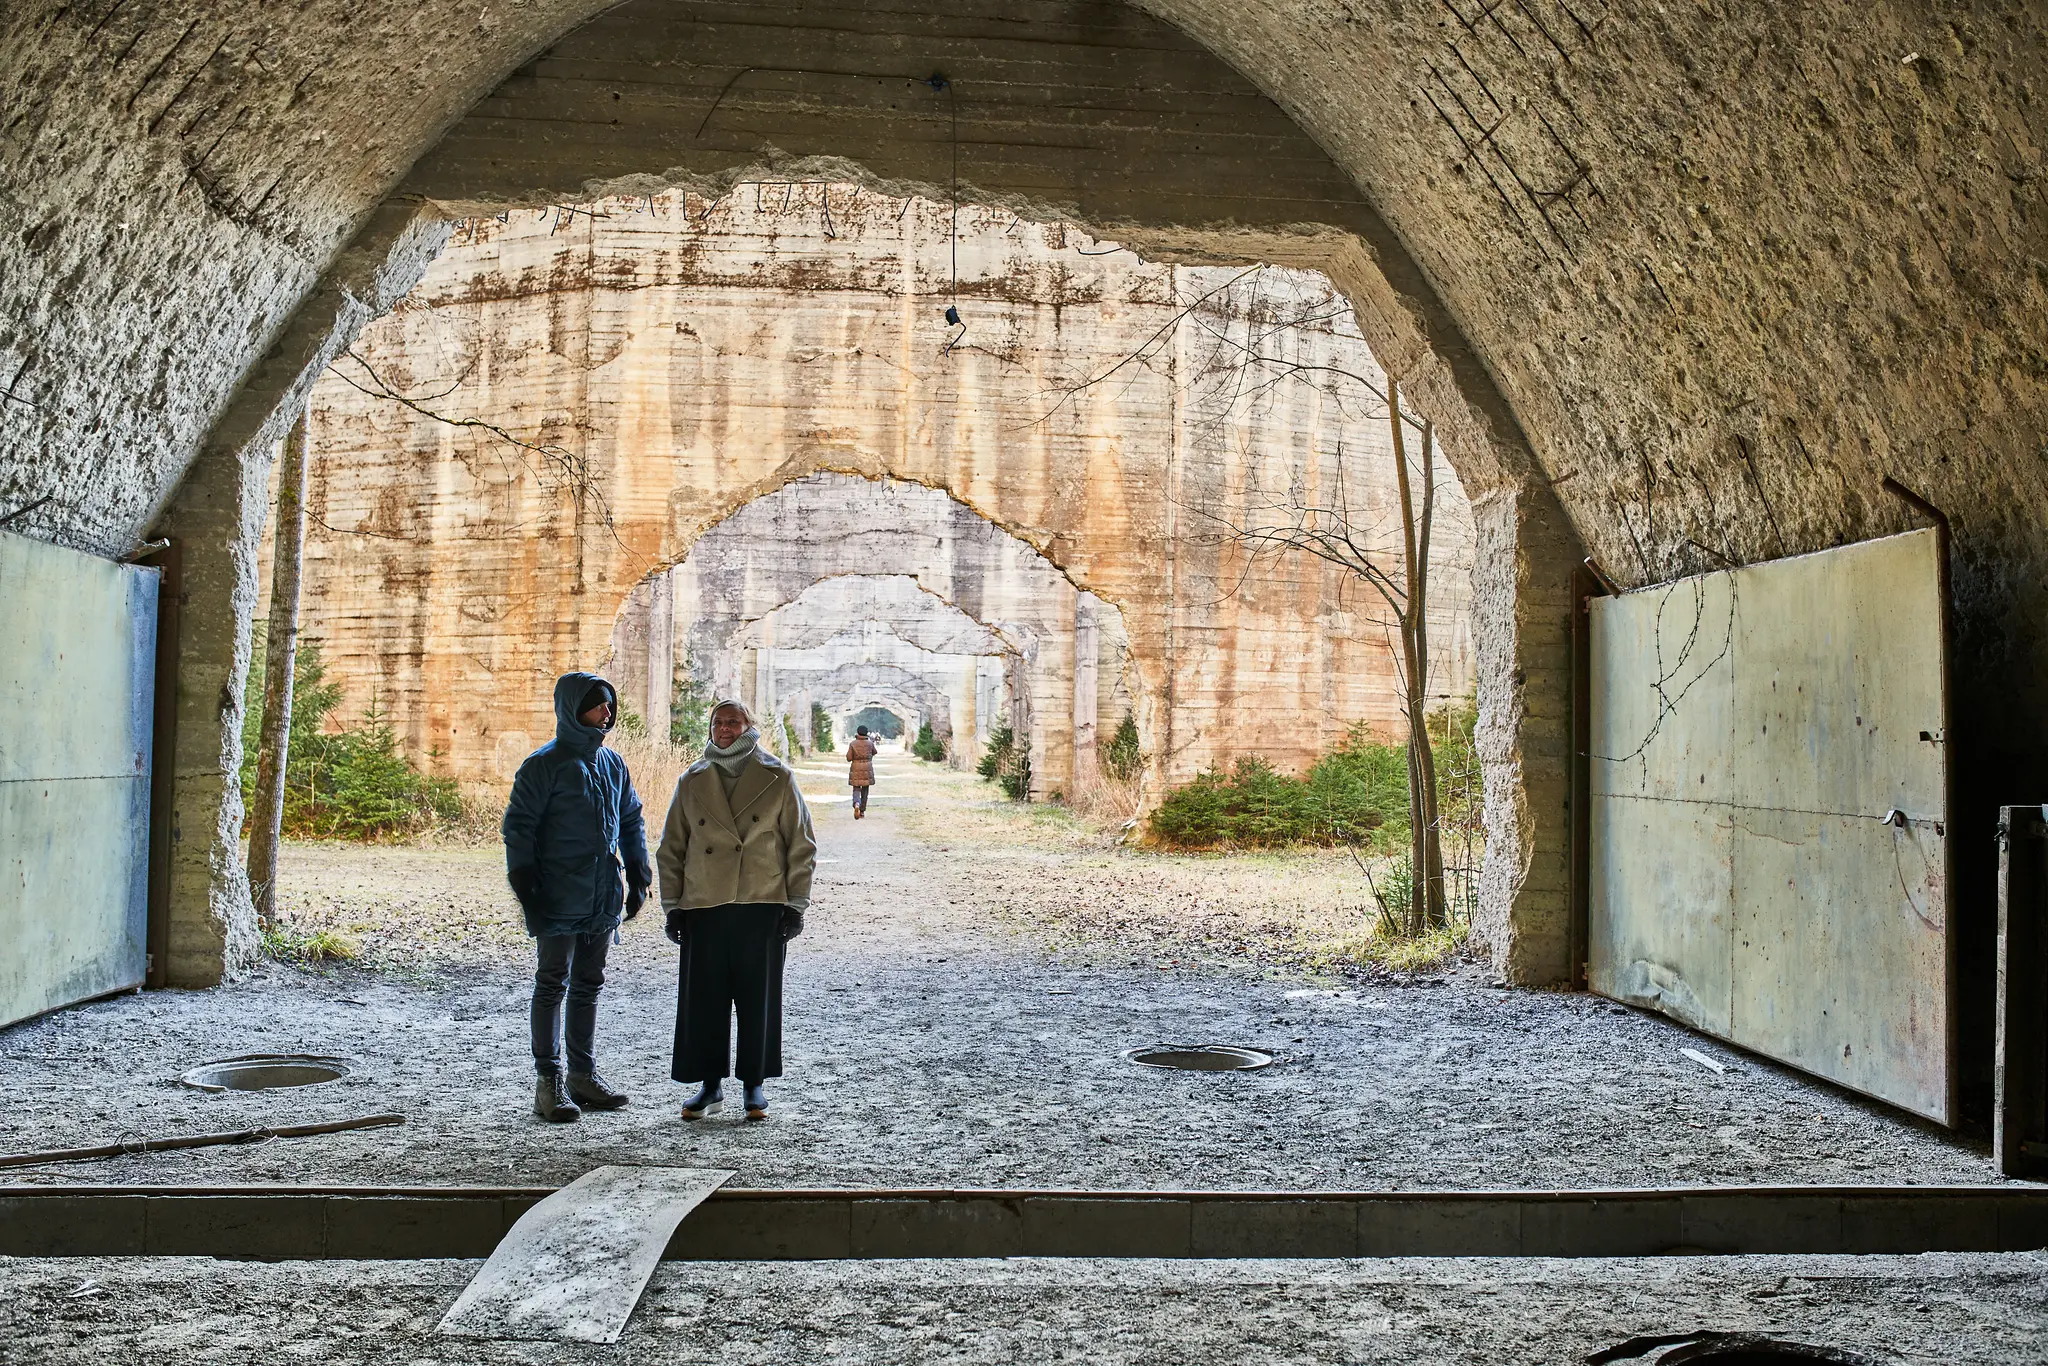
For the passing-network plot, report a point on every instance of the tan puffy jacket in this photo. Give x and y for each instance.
(756, 848)
(860, 759)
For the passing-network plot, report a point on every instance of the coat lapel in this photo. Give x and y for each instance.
(755, 779)
(711, 793)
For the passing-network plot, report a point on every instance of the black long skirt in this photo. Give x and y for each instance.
(732, 964)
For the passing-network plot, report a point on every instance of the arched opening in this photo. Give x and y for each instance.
(774, 601)
(1262, 192)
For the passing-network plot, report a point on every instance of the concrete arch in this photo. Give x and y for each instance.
(194, 247)
(890, 619)
(1066, 647)
(303, 284)
(916, 614)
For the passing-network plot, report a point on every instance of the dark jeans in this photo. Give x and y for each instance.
(732, 965)
(574, 961)
(860, 799)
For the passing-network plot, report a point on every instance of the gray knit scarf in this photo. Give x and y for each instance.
(734, 756)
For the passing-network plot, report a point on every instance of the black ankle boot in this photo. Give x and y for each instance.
(593, 1092)
(757, 1100)
(710, 1096)
(551, 1099)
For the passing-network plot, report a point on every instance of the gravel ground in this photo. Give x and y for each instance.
(168, 1312)
(957, 1015)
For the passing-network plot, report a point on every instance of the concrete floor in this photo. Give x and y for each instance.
(171, 1312)
(951, 1022)
(957, 1016)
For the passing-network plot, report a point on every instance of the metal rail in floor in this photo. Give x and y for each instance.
(284, 1223)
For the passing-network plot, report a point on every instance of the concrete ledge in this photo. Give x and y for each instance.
(288, 1223)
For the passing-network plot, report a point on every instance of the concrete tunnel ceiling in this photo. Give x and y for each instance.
(1679, 285)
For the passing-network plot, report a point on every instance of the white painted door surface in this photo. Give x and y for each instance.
(77, 664)
(1769, 844)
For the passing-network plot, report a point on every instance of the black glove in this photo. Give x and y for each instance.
(678, 928)
(636, 890)
(526, 886)
(792, 923)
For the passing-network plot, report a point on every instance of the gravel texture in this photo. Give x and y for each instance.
(958, 1013)
(168, 1312)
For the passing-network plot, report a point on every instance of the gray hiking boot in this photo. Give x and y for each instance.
(551, 1099)
(593, 1092)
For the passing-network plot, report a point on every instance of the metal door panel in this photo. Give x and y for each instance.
(1751, 732)
(1677, 963)
(77, 661)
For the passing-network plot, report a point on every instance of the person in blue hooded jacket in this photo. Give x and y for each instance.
(572, 827)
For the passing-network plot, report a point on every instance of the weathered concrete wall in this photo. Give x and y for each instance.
(671, 363)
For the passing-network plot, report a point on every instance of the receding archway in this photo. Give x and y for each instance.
(1057, 659)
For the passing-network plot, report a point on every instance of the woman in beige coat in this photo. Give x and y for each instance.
(735, 861)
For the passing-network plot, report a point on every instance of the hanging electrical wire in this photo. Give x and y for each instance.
(938, 82)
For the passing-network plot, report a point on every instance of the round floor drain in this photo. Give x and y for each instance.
(1722, 1349)
(1746, 1351)
(1205, 1057)
(265, 1072)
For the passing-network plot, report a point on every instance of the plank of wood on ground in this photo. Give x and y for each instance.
(575, 1265)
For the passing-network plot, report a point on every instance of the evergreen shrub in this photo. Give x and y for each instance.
(927, 746)
(1122, 756)
(354, 784)
(689, 710)
(1007, 764)
(1354, 794)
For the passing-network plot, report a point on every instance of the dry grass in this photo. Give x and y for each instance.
(292, 943)
(1107, 803)
(1053, 870)
(656, 766)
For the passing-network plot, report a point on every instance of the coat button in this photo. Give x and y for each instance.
(700, 821)
(757, 820)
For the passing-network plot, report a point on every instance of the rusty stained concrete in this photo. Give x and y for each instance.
(667, 360)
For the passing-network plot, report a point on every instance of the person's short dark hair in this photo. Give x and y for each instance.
(862, 731)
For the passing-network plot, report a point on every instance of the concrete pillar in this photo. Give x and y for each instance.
(217, 516)
(1524, 554)
(1087, 662)
(965, 751)
(661, 653)
(1052, 707)
(628, 667)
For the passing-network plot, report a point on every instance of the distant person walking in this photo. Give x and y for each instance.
(860, 758)
(572, 826)
(736, 859)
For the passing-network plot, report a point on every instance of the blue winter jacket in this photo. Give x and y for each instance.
(575, 819)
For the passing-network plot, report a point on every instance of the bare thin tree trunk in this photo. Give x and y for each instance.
(1418, 606)
(1425, 847)
(281, 649)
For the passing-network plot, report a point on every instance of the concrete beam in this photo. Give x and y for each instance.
(282, 1223)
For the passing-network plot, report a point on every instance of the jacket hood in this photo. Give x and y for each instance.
(570, 732)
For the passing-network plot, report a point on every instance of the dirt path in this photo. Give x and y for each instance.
(958, 1014)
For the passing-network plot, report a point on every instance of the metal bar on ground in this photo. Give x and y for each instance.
(52, 1156)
